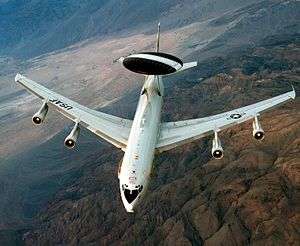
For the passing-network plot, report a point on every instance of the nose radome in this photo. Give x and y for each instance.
(130, 195)
(129, 208)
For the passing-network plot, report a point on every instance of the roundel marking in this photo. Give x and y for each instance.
(235, 116)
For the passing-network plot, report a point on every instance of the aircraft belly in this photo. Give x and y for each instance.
(139, 155)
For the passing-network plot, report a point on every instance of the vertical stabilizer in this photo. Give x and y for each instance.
(158, 37)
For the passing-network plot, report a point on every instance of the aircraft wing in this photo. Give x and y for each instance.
(174, 134)
(113, 129)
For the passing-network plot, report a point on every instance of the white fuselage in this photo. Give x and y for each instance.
(136, 167)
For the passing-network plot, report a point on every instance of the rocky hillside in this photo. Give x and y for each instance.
(52, 25)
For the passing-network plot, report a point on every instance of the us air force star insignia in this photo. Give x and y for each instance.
(235, 116)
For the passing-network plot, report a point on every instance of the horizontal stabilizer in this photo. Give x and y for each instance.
(187, 66)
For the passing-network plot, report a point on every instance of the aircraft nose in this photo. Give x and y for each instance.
(130, 197)
(129, 207)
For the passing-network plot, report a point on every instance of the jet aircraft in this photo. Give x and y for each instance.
(145, 135)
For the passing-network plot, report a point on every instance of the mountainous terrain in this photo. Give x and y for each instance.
(250, 197)
(52, 25)
(246, 53)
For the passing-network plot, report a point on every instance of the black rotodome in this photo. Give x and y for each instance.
(151, 67)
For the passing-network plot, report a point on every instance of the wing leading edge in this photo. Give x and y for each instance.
(113, 129)
(174, 134)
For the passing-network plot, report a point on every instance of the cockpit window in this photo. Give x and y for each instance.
(131, 195)
(140, 188)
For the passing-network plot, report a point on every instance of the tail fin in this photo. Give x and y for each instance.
(186, 66)
(158, 37)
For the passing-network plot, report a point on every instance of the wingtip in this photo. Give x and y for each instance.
(18, 77)
(293, 92)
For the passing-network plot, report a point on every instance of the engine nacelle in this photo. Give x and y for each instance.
(258, 133)
(217, 150)
(71, 139)
(40, 116)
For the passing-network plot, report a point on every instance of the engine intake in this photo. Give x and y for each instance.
(71, 139)
(258, 133)
(40, 116)
(217, 150)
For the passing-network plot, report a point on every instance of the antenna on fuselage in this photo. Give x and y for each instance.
(158, 37)
(154, 63)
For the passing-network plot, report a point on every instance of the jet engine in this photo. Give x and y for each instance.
(217, 150)
(40, 116)
(71, 139)
(258, 132)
